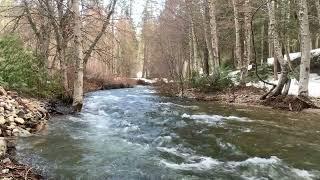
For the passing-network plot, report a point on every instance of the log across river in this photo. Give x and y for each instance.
(136, 134)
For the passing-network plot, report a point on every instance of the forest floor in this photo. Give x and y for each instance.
(240, 95)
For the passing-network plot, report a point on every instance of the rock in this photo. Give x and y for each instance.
(20, 132)
(3, 147)
(9, 133)
(1, 109)
(6, 160)
(11, 127)
(11, 119)
(3, 92)
(7, 178)
(5, 171)
(2, 120)
(19, 120)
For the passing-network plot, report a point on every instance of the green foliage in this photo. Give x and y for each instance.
(22, 71)
(216, 82)
(265, 71)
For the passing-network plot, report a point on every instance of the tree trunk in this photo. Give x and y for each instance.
(262, 44)
(207, 31)
(206, 61)
(277, 49)
(78, 82)
(238, 50)
(305, 48)
(214, 34)
(248, 42)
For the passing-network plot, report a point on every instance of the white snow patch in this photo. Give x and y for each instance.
(314, 85)
(296, 55)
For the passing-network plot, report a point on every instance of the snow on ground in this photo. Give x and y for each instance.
(293, 56)
(314, 85)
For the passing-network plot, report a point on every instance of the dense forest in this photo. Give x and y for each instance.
(190, 42)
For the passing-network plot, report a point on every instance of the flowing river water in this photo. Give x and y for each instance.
(135, 134)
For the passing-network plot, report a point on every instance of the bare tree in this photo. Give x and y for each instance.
(305, 48)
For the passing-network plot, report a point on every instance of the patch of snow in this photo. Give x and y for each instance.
(296, 55)
(314, 85)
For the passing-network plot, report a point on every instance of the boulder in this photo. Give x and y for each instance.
(3, 146)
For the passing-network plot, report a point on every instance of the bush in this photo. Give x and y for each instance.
(265, 71)
(217, 82)
(22, 71)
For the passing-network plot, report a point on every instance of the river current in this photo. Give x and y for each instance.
(135, 134)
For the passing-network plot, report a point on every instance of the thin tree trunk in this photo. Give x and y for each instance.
(248, 42)
(214, 34)
(305, 48)
(262, 44)
(238, 50)
(207, 31)
(277, 50)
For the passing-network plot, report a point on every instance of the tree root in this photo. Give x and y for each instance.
(290, 103)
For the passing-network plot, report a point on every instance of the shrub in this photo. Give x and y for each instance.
(216, 82)
(22, 71)
(265, 71)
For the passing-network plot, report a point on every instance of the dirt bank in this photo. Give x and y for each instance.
(240, 95)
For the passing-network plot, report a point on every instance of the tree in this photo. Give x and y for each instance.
(78, 56)
(237, 25)
(277, 49)
(305, 48)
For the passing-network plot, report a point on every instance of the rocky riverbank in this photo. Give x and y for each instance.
(19, 117)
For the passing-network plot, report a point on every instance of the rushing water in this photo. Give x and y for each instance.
(135, 134)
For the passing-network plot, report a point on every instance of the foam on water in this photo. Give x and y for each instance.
(179, 105)
(205, 163)
(213, 119)
(254, 167)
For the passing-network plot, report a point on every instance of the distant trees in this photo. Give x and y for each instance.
(207, 35)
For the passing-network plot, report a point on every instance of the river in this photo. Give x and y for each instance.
(135, 134)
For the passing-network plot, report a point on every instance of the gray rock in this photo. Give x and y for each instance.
(11, 127)
(20, 132)
(11, 119)
(6, 160)
(5, 171)
(19, 120)
(3, 147)
(9, 133)
(2, 120)
(2, 92)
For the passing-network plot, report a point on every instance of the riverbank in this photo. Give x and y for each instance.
(19, 117)
(23, 117)
(239, 95)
